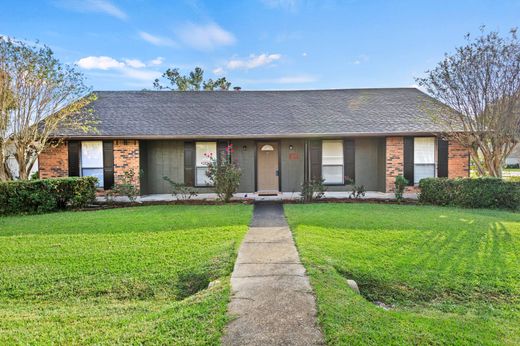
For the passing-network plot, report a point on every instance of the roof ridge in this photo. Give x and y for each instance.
(262, 91)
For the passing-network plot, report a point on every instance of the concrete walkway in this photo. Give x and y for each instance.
(272, 300)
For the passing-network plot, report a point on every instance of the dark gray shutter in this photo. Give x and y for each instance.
(108, 165)
(315, 158)
(74, 147)
(349, 158)
(221, 150)
(442, 158)
(189, 163)
(408, 160)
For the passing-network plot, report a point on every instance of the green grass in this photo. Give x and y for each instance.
(120, 276)
(451, 275)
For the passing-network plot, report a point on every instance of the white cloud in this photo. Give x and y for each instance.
(131, 68)
(253, 61)
(290, 5)
(96, 6)
(135, 63)
(304, 54)
(218, 71)
(99, 63)
(156, 40)
(361, 59)
(157, 61)
(205, 36)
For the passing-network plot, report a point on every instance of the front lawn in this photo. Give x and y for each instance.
(450, 276)
(120, 276)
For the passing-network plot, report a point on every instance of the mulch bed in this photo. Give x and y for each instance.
(113, 205)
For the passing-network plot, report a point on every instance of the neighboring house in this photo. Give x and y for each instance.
(280, 138)
(514, 158)
(12, 164)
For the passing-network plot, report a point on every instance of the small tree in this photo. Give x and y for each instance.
(313, 190)
(38, 96)
(193, 81)
(224, 174)
(400, 185)
(481, 82)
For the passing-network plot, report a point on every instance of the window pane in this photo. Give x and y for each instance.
(92, 154)
(94, 172)
(201, 178)
(424, 150)
(201, 148)
(423, 171)
(332, 152)
(332, 174)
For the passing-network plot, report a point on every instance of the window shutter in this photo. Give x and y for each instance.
(315, 159)
(189, 163)
(408, 159)
(74, 147)
(108, 164)
(221, 150)
(349, 158)
(442, 158)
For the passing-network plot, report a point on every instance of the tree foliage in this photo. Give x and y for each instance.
(38, 96)
(481, 82)
(193, 81)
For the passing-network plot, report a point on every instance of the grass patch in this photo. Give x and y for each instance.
(119, 276)
(451, 275)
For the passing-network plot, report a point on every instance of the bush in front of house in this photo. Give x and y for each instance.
(400, 185)
(224, 174)
(471, 193)
(46, 195)
(313, 190)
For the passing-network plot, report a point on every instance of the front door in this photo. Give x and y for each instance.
(267, 167)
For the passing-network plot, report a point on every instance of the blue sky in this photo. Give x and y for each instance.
(256, 44)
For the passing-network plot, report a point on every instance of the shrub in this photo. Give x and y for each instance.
(127, 186)
(358, 191)
(313, 190)
(400, 184)
(224, 175)
(40, 196)
(471, 193)
(181, 191)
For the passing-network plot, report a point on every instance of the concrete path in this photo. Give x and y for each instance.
(272, 300)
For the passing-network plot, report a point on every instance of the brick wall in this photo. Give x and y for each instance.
(458, 161)
(54, 162)
(394, 160)
(126, 157)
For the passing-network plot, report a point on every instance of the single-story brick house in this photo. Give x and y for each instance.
(280, 138)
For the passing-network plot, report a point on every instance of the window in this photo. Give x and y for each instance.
(424, 158)
(203, 150)
(92, 160)
(332, 162)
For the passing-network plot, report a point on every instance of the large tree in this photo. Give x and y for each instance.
(193, 81)
(481, 82)
(38, 95)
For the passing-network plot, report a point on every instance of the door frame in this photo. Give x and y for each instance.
(279, 143)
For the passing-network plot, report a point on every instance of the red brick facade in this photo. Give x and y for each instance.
(394, 160)
(458, 161)
(54, 162)
(126, 157)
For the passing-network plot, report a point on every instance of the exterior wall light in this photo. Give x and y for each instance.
(244, 148)
(291, 147)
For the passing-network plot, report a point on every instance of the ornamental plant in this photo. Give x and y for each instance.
(224, 174)
(400, 184)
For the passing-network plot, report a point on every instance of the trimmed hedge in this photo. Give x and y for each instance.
(471, 193)
(41, 196)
